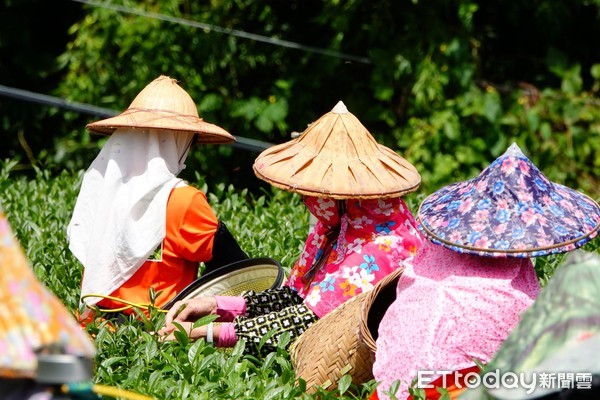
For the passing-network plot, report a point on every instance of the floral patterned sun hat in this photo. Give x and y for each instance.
(31, 317)
(510, 210)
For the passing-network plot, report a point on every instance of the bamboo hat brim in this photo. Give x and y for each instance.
(163, 104)
(337, 157)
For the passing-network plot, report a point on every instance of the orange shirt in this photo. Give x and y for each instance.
(190, 230)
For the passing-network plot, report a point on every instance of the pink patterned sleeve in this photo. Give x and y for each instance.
(229, 307)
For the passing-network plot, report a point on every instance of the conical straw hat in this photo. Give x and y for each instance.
(163, 104)
(510, 209)
(31, 317)
(337, 157)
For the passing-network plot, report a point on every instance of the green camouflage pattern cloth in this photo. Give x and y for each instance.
(556, 345)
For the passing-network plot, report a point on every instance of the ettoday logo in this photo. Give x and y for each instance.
(507, 380)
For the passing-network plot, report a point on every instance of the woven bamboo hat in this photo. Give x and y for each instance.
(163, 104)
(337, 157)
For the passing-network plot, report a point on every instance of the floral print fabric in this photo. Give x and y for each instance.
(450, 309)
(510, 208)
(30, 316)
(375, 238)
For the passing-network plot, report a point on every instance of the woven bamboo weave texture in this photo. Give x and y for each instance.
(332, 347)
(337, 157)
(164, 105)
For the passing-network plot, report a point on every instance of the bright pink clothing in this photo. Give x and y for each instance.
(227, 336)
(450, 309)
(375, 237)
(229, 307)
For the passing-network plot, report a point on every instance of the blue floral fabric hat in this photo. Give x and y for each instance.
(510, 210)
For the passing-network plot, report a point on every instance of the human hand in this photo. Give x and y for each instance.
(193, 333)
(188, 311)
(191, 310)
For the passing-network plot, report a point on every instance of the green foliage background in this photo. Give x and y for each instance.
(449, 85)
(131, 357)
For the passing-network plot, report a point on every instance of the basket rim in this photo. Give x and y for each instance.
(363, 327)
(350, 355)
(233, 268)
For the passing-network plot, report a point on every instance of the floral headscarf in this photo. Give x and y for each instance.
(375, 238)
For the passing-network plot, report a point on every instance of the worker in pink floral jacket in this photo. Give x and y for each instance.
(364, 231)
(473, 277)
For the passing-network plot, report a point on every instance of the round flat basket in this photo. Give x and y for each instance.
(257, 274)
(374, 307)
(332, 348)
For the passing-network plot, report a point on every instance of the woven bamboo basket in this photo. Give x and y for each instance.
(335, 345)
(374, 307)
(332, 348)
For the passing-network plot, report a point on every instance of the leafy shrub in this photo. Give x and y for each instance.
(450, 98)
(270, 225)
(130, 355)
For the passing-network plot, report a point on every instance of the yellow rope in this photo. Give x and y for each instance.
(118, 393)
(103, 390)
(128, 305)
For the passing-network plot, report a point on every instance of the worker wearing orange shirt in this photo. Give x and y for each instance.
(136, 226)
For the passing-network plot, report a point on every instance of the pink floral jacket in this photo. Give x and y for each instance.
(375, 238)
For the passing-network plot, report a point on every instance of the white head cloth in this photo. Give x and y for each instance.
(120, 214)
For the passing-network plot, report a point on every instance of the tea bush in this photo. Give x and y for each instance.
(271, 225)
(130, 356)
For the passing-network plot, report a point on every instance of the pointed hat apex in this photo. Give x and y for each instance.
(340, 108)
(164, 105)
(527, 215)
